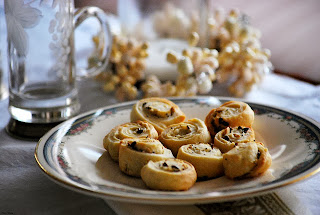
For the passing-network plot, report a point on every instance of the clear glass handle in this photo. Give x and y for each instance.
(81, 15)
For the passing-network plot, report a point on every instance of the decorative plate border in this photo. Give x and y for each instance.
(307, 129)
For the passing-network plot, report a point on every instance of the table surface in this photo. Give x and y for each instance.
(24, 189)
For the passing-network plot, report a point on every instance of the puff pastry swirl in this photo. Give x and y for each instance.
(264, 161)
(231, 113)
(134, 153)
(160, 112)
(229, 137)
(169, 174)
(189, 132)
(246, 160)
(206, 160)
(139, 129)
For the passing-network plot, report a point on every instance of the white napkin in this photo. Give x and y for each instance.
(283, 202)
(285, 92)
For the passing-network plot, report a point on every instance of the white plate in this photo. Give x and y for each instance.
(73, 156)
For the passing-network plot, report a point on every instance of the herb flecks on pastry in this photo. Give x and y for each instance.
(152, 146)
(158, 109)
(189, 132)
(229, 114)
(139, 129)
(136, 152)
(206, 159)
(263, 163)
(229, 137)
(169, 174)
(240, 161)
(160, 112)
(171, 166)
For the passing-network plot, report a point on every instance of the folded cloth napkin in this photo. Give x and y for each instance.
(282, 202)
(285, 92)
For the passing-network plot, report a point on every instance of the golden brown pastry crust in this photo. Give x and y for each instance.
(229, 137)
(160, 112)
(240, 160)
(169, 174)
(139, 129)
(263, 163)
(229, 114)
(207, 160)
(189, 132)
(134, 153)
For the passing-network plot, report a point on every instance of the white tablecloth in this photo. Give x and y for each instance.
(24, 189)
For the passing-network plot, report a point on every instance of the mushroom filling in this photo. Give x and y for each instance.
(158, 109)
(218, 124)
(258, 154)
(234, 135)
(226, 112)
(172, 166)
(222, 122)
(139, 130)
(182, 130)
(148, 147)
(199, 149)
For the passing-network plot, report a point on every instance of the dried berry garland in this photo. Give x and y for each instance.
(243, 62)
(126, 67)
(196, 72)
(234, 57)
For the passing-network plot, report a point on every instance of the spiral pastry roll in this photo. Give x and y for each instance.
(189, 132)
(169, 174)
(264, 161)
(232, 113)
(134, 153)
(241, 160)
(159, 112)
(229, 137)
(206, 160)
(139, 129)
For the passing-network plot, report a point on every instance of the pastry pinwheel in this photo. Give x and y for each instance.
(134, 153)
(207, 160)
(139, 129)
(160, 112)
(188, 132)
(229, 137)
(169, 174)
(232, 113)
(246, 160)
(264, 161)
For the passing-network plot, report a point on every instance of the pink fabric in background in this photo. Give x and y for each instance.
(290, 29)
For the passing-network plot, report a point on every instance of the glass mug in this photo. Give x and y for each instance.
(3, 88)
(42, 69)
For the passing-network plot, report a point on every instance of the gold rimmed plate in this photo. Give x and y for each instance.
(72, 155)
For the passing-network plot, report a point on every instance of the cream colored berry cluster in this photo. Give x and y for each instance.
(196, 72)
(245, 64)
(234, 56)
(126, 67)
(242, 61)
(173, 22)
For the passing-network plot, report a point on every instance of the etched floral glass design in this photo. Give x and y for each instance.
(40, 55)
(19, 16)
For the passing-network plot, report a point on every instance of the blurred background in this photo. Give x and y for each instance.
(290, 29)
